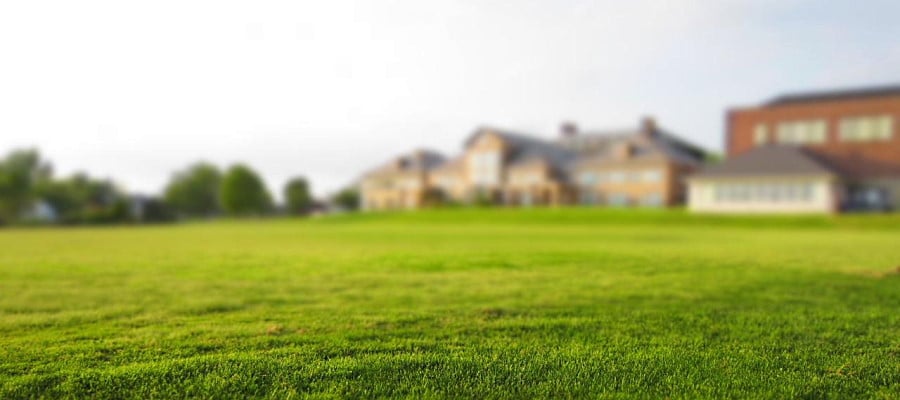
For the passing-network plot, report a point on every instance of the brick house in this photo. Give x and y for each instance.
(851, 135)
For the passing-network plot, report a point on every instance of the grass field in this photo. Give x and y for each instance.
(465, 303)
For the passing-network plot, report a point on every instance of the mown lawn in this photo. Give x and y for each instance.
(466, 303)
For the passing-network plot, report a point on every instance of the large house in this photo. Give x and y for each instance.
(644, 166)
(815, 152)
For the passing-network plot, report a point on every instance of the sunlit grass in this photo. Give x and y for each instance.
(456, 303)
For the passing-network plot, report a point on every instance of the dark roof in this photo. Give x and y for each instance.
(596, 145)
(454, 163)
(526, 148)
(418, 160)
(843, 94)
(856, 166)
(769, 161)
(567, 153)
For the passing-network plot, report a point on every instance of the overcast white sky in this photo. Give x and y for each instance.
(136, 90)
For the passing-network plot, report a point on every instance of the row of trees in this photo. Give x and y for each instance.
(203, 191)
(30, 192)
(25, 178)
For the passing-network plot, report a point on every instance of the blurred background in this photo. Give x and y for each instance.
(110, 107)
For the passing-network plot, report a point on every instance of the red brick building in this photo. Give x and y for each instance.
(856, 130)
(852, 137)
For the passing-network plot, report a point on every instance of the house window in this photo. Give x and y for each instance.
(618, 200)
(763, 192)
(486, 168)
(409, 183)
(741, 193)
(589, 198)
(760, 134)
(806, 192)
(617, 177)
(603, 177)
(866, 129)
(651, 176)
(802, 132)
(652, 200)
(719, 193)
(527, 199)
(588, 178)
(446, 182)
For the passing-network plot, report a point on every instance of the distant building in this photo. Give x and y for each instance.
(768, 179)
(644, 166)
(41, 211)
(815, 152)
(401, 183)
(148, 209)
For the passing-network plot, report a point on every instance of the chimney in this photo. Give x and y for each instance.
(648, 127)
(568, 129)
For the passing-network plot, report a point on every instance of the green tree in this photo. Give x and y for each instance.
(82, 199)
(347, 198)
(297, 198)
(20, 172)
(66, 199)
(244, 193)
(194, 192)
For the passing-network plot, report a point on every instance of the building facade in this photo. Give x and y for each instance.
(768, 179)
(645, 166)
(852, 135)
(402, 183)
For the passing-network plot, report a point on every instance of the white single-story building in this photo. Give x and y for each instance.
(769, 179)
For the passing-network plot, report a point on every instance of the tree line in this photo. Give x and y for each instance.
(31, 194)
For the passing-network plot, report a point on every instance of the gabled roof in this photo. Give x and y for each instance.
(843, 94)
(526, 148)
(771, 160)
(596, 146)
(567, 152)
(416, 161)
(455, 164)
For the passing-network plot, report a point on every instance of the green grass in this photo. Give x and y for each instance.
(459, 303)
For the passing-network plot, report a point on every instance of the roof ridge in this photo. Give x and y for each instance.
(835, 94)
(774, 159)
(819, 159)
